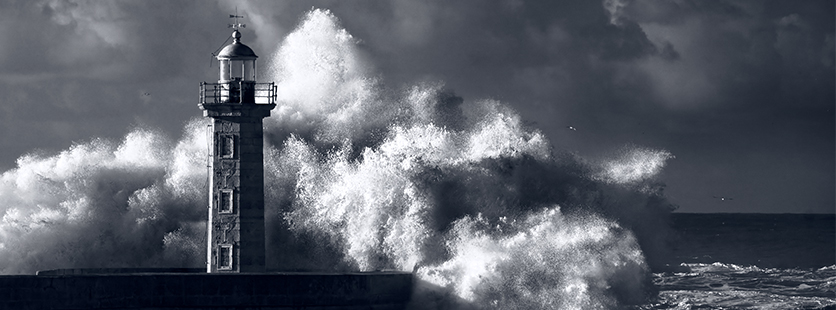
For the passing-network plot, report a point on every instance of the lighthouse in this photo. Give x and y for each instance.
(236, 105)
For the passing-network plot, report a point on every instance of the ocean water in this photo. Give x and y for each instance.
(750, 261)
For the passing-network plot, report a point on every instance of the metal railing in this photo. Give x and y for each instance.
(237, 92)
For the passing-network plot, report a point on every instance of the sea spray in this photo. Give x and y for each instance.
(544, 260)
(462, 192)
(99, 204)
(361, 177)
(633, 165)
(324, 87)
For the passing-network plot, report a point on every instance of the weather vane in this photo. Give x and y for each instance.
(236, 25)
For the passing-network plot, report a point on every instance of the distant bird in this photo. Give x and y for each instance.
(723, 198)
(572, 128)
(146, 94)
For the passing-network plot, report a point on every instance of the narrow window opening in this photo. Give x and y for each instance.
(227, 201)
(225, 257)
(227, 146)
(237, 69)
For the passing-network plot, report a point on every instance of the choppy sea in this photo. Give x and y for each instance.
(750, 261)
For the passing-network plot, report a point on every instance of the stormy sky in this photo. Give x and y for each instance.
(741, 92)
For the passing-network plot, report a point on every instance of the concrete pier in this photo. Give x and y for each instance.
(150, 290)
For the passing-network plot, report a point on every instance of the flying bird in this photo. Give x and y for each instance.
(146, 94)
(723, 198)
(572, 128)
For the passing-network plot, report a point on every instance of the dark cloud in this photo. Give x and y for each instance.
(729, 87)
(76, 69)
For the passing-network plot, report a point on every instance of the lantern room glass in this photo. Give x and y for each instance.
(237, 70)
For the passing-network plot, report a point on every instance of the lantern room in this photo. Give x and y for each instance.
(237, 61)
(236, 81)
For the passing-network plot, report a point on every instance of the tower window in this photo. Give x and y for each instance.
(227, 146)
(225, 257)
(226, 201)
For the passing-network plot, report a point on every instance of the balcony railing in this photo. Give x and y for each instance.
(237, 92)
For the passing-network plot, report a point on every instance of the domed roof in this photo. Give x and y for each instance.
(237, 50)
